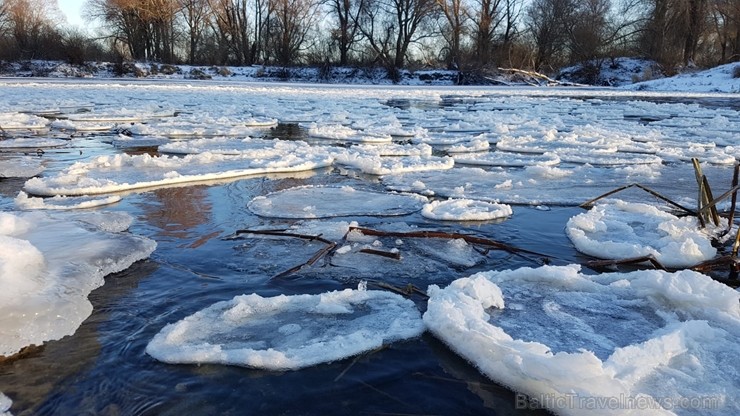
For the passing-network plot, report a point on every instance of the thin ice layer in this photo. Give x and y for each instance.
(647, 340)
(623, 230)
(288, 332)
(48, 266)
(326, 201)
(465, 210)
(123, 172)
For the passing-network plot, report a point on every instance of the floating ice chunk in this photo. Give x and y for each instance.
(48, 266)
(378, 165)
(325, 201)
(645, 340)
(255, 148)
(707, 154)
(621, 230)
(465, 210)
(344, 133)
(81, 126)
(507, 159)
(21, 121)
(288, 332)
(123, 172)
(5, 404)
(23, 201)
(475, 145)
(24, 167)
(31, 143)
(607, 158)
(394, 149)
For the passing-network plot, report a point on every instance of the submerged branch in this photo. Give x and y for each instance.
(450, 236)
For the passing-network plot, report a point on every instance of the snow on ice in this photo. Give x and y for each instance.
(288, 332)
(622, 230)
(50, 263)
(465, 210)
(565, 339)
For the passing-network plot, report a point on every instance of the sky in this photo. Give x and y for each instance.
(72, 9)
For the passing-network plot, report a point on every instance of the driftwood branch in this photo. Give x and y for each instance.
(537, 75)
(632, 260)
(590, 202)
(449, 236)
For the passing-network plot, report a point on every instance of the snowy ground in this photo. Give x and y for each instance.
(429, 168)
(630, 73)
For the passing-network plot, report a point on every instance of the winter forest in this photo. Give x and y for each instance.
(469, 35)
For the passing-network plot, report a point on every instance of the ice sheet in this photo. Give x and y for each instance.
(622, 230)
(325, 201)
(647, 342)
(123, 172)
(288, 332)
(50, 263)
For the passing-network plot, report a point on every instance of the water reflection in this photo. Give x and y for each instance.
(177, 213)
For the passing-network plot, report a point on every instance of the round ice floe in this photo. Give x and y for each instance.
(325, 202)
(622, 230)
(48, 266)
(465, 210)
(288, 332)
(21, 167)
(554, 333)
(608, 159)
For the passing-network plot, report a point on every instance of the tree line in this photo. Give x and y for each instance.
(470, 35)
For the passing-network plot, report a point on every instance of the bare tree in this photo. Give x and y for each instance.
(290, 24)
(195, 15)
(495, 25)
(725, 20)
(455, 14)
(347, 33)
(391, 26)
(233, 24)
(548, 23)
(31, 25)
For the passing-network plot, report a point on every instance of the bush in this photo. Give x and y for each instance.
(736, 71)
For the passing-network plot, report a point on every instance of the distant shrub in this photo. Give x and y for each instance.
(736, 71)
(168, 69)
(197, 73)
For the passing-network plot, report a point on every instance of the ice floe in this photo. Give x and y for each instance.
(326, 201)
(465, 210)
(49, 266)
(23, 201)
(22, 167)
(646, 342)
(344, 133)
(20, 121)
(622, 230)
(506, 159)
(288, 332)
(31, 143)
(380, 165)
(123, 172)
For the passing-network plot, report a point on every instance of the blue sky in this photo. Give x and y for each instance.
(72, 9)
